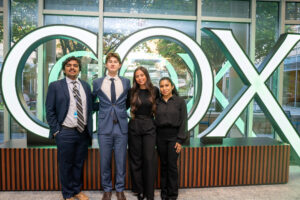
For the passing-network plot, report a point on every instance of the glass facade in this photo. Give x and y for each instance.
(166, 7)
(160, 55)
(230, 8)
(81, 5)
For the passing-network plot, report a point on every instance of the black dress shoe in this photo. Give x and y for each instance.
(140, 196)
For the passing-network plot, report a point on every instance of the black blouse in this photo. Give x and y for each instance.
(170, 116)
(146, 107)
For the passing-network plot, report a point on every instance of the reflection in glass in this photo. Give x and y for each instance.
(292, 11)
(168, 7)
(262, 127)
(267, 29)
(89, 23)
(291, 78)
(266, 35)
(24, 20)
(29, 83)
(229, 8)
(78, 5)
(116, 29)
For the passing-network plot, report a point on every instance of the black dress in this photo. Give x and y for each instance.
(171, 120)
(141, 146)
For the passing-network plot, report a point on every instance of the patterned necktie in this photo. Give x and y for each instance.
(80, 118)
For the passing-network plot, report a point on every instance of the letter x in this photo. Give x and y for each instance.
(255, 86)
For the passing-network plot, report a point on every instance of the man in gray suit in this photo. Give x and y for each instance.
(112, 126)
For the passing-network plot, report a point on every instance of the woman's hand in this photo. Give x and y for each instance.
(178, 147)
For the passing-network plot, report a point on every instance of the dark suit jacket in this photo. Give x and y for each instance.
(57, 105)
(105, 122)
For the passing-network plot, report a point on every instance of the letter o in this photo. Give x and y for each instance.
(205, 95)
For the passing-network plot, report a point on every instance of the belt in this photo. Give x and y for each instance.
(143, 117)
(68, 128)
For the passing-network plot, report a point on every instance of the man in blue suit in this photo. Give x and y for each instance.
(112, 126)
(69, 115)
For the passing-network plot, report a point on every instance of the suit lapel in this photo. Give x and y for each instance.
(100, 90)
(85, 90)
(124, 88)
(65, 88)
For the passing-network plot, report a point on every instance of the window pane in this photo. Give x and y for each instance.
(230, 84)
(89, 23)
(169, 7)
(1, 3)
(292, 11)
(267, 31)
(1, 63)
(74, 5)
(116, 29)
(291, 79)
(24, 20)
(229, 8)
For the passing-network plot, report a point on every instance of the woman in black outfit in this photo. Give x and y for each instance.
(171, 120)
(142, 134)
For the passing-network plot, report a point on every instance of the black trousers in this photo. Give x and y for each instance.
(142, 157)
(168, 166)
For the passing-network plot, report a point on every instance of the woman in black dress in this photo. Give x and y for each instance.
(142, 134)
(171, 120)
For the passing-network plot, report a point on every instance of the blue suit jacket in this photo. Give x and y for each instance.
(57, 105)
(105, 122)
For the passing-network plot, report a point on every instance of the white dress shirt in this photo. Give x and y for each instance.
(107, 83)
(71, 118)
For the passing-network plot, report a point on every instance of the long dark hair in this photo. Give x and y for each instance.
(174, 91)
(135, 101)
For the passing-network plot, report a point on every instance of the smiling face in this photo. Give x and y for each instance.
(113, 65)
(166, 88)
(140, 79)
(72, 69)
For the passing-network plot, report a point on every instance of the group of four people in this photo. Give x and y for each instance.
(158, 118)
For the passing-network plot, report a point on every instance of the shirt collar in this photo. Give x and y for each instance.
(116, 77)
(171, 98)
(70, 80)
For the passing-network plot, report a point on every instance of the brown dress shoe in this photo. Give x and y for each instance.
(106, 196)
(121, 196)
(71, 198)
(81, 196)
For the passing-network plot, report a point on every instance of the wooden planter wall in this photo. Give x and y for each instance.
(37, 169)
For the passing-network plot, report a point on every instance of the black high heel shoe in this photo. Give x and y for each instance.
(140, 196)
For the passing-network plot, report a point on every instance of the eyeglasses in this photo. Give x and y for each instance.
(74, 65)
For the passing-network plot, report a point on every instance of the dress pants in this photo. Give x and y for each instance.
(116, 141)
(72, 148)
(143, 161)
(168, 166)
